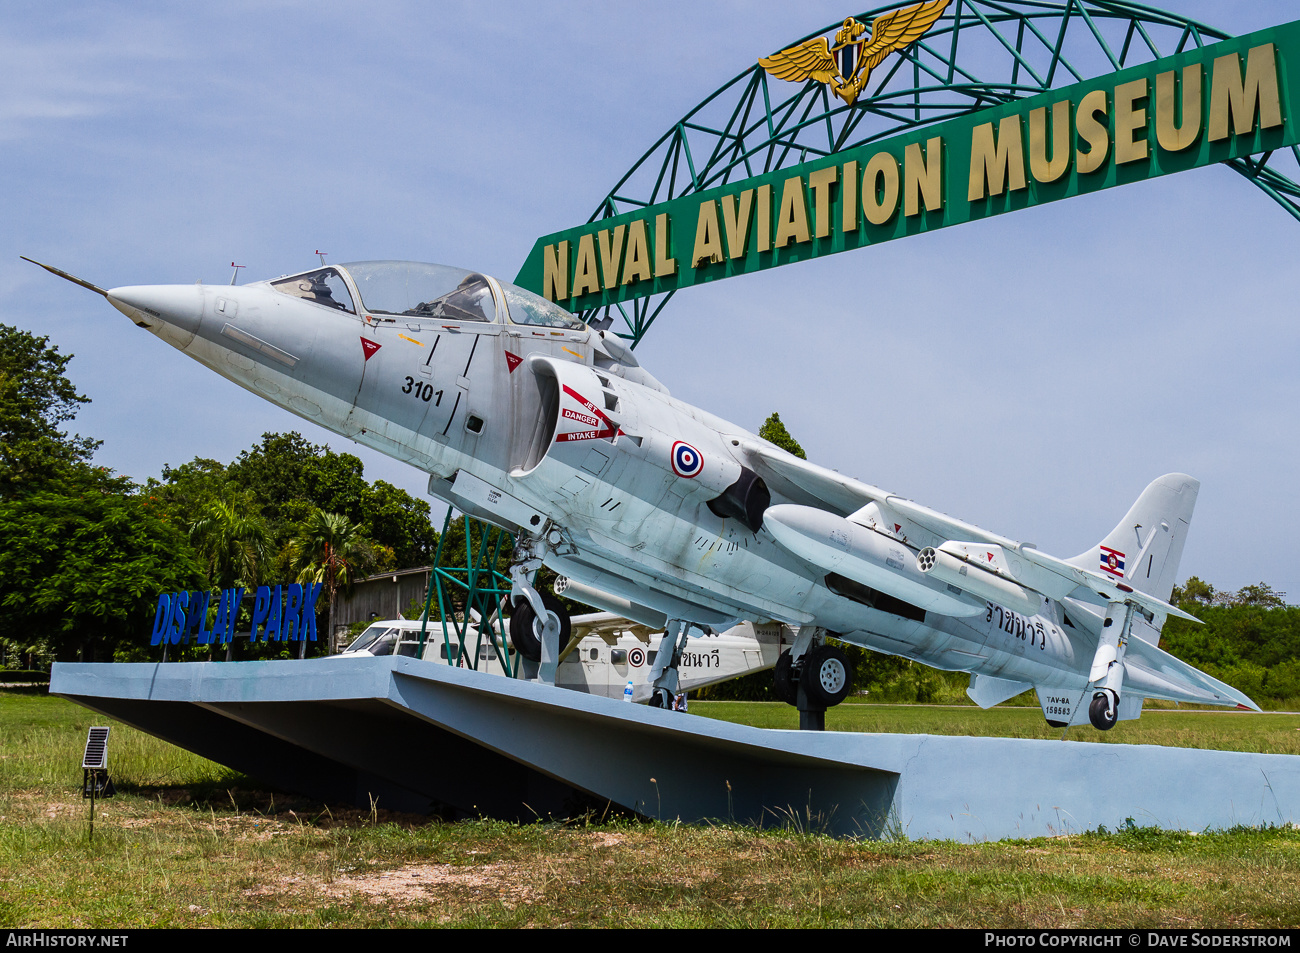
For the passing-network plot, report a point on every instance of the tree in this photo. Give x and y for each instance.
(232, 540)
(1260, 594)
(290, 477)
(394, 518)
(1193, 590)
(82, 561)
(1249, 639)
(35, 400)
(82, 555)
(773, 431)
(332, 550)
(186, 489)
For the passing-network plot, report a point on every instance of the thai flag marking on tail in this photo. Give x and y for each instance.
(1112, 561)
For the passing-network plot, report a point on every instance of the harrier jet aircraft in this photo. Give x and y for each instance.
(666, 515)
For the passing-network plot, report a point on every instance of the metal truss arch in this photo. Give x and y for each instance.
(980, 53)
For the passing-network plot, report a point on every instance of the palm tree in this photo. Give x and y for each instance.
(233, 541)
(332, 550)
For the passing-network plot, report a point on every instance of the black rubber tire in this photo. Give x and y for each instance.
(784, 686)
(1101, 715)
(827, 676)
(661, 698)
(526, 630)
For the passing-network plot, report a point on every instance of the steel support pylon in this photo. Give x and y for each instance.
(470, 592)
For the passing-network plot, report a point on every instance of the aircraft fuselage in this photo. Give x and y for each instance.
(526, 418)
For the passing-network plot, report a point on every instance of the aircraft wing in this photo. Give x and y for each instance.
(808, 484)
(1154, 673)
(1109, 589)
(947, 527)
(811, 485)
(608, 626)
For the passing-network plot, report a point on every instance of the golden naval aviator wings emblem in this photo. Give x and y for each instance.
(817, 58)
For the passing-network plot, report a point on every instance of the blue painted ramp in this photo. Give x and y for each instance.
(422, 736)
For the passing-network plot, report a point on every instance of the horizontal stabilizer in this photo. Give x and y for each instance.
(1154, 673)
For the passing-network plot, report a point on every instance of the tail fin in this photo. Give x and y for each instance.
(1145, 548)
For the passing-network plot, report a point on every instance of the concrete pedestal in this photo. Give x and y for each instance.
(426, 737)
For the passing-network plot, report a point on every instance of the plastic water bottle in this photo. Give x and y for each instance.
(627, 692)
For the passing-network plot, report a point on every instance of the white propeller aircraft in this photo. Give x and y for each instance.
(666, 515)
(605, 656)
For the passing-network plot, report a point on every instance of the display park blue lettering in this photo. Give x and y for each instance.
(283, 614)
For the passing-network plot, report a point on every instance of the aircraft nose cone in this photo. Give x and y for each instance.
(178, 305)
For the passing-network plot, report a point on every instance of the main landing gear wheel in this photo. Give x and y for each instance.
(784, 686)
(1102, 713)
(827, 676)
(526, 628)
(662, 698)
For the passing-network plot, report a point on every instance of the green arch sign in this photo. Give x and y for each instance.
(1224, 101)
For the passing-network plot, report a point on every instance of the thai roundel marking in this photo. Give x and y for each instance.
(636, 657)
(687, 461)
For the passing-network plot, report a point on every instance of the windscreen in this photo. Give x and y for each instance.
(366, 640)
(323, 286)
(528, 308)
(418, 290)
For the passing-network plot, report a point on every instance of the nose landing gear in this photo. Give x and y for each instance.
(527, 628)
(539, 623)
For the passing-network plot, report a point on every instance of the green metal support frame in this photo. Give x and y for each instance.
(478, 585)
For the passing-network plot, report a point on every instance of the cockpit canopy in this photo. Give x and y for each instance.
(415, 289)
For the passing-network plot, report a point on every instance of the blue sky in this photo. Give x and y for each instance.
(1030, 373)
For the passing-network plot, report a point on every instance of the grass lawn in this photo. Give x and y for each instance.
(1270, 732)
(190, 844)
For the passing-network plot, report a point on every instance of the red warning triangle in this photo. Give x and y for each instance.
(513, 361)
(369, 347)
(898, 528)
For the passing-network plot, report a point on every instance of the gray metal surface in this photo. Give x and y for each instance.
(427, 737)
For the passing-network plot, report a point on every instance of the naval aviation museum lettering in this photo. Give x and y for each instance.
(1219, 102)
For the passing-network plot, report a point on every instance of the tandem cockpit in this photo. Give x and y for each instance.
(392, 290)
